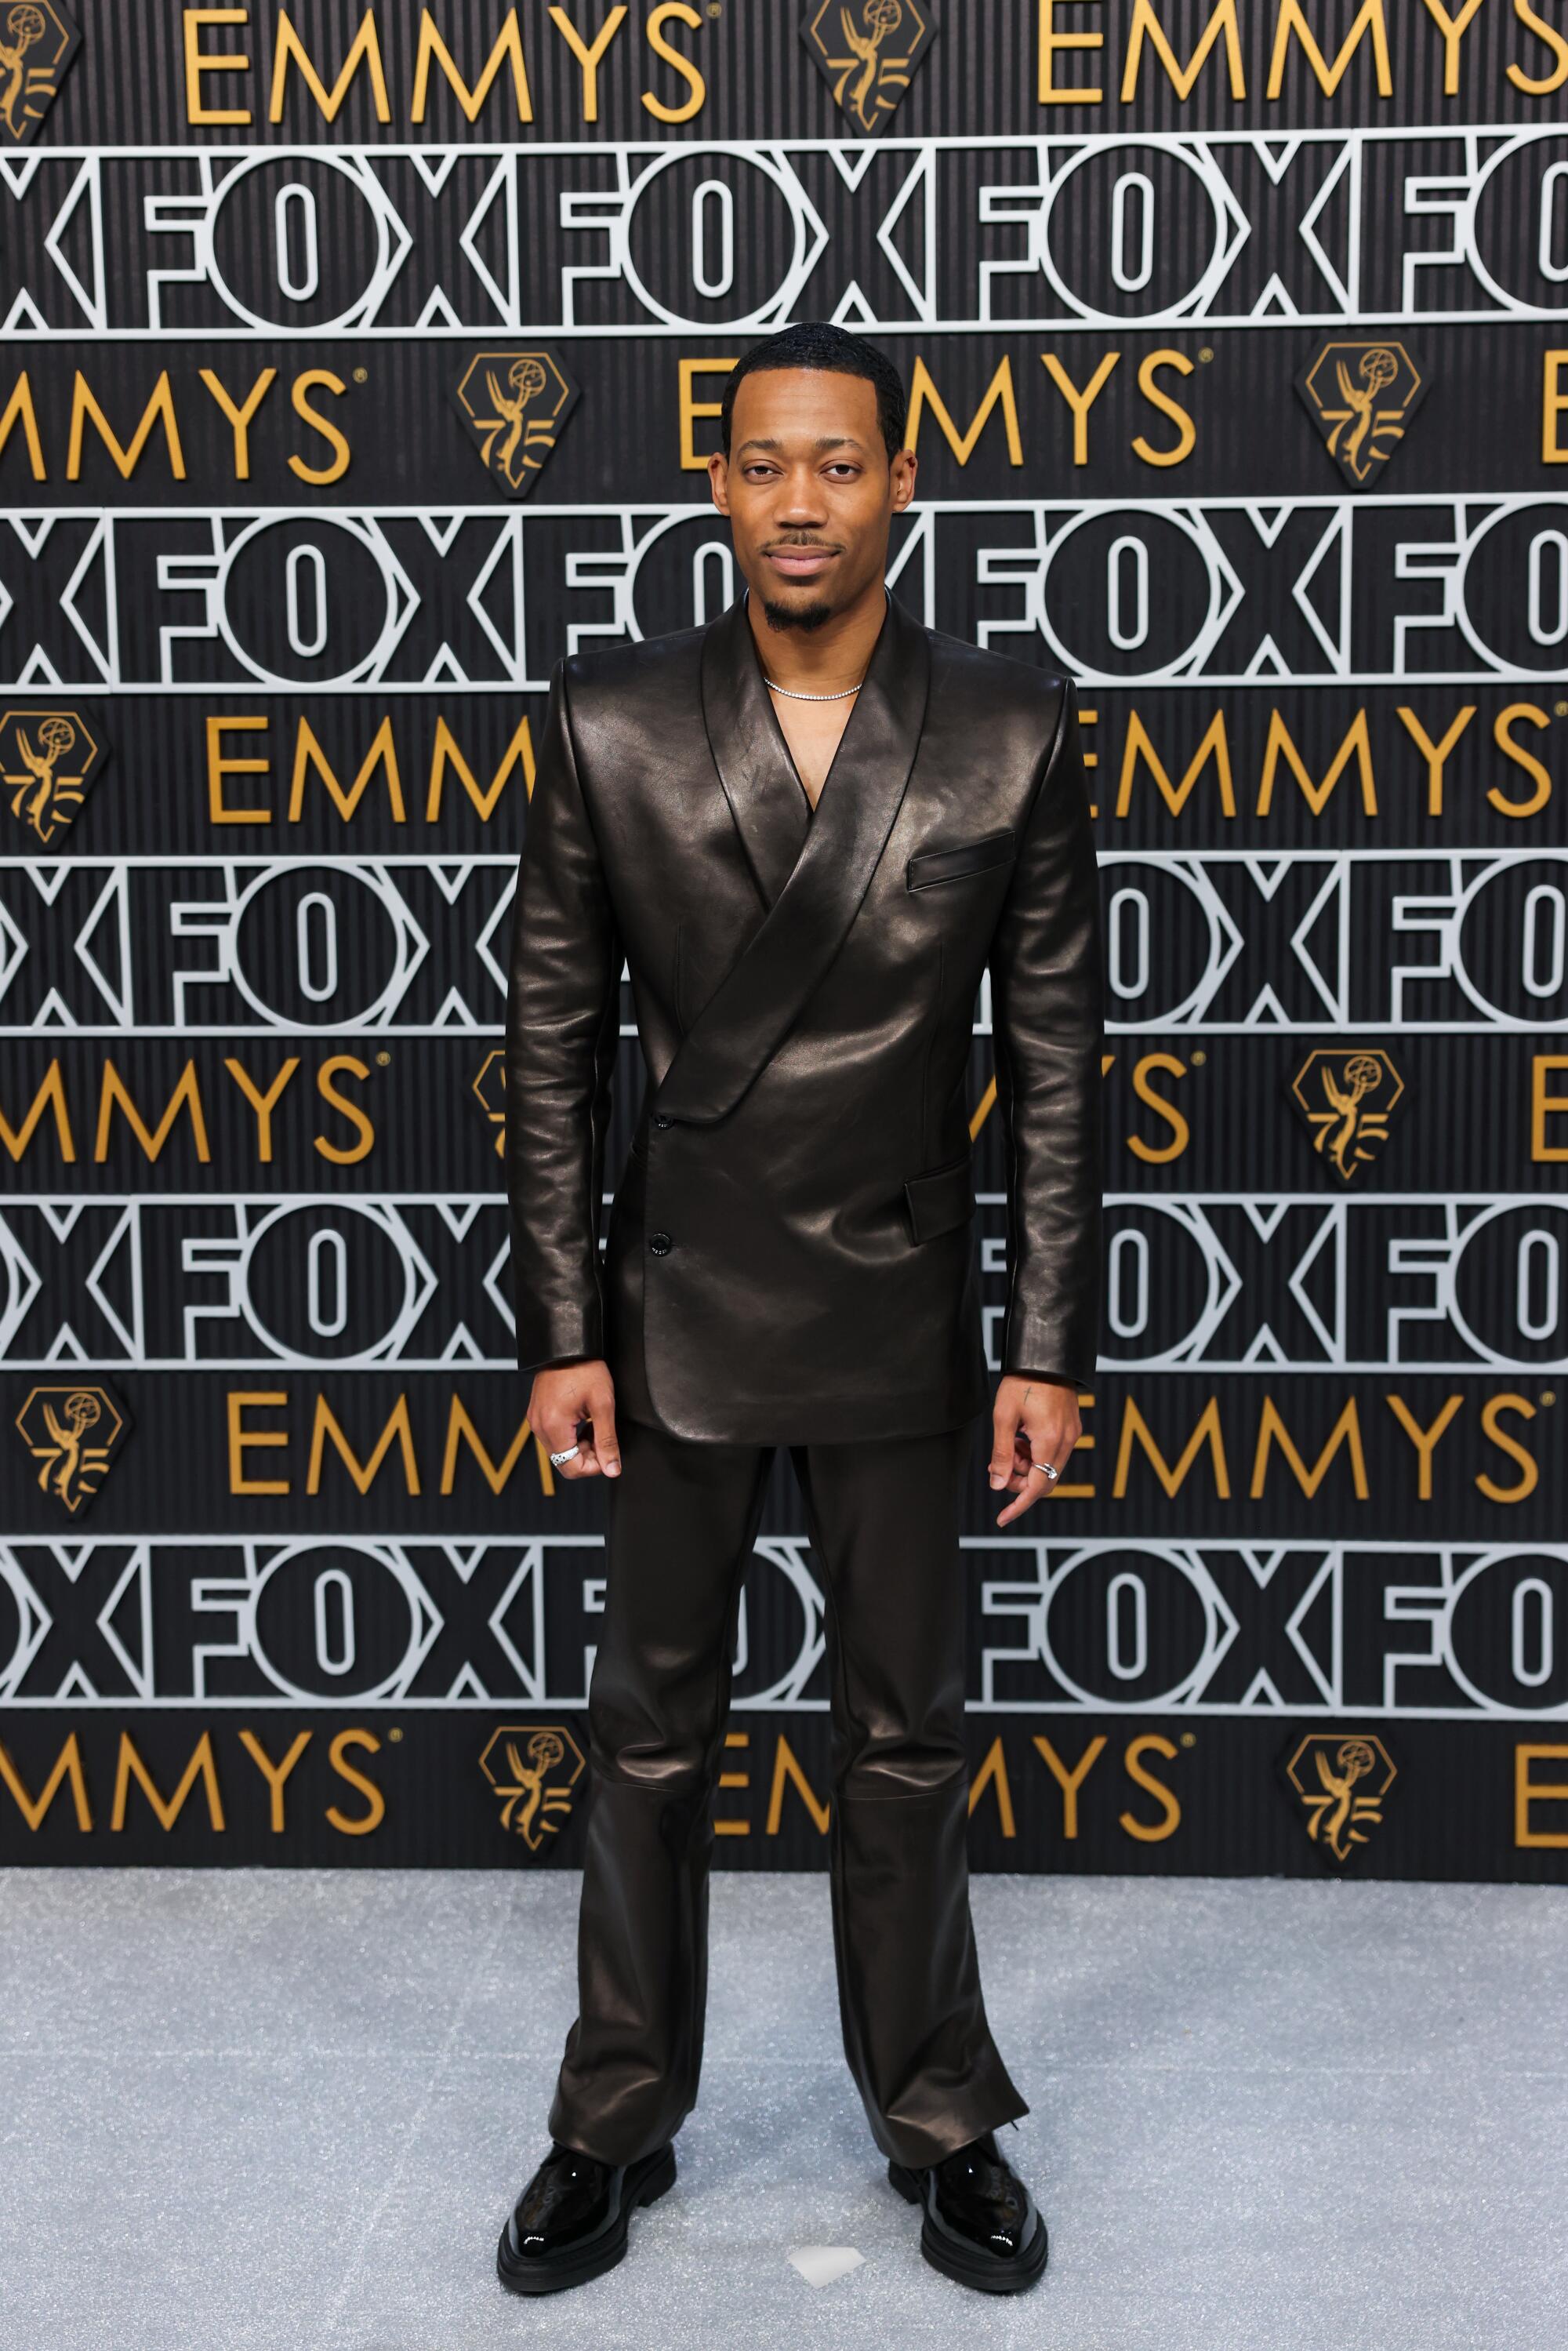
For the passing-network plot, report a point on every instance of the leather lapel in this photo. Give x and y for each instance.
(813, 871)
(772, 813)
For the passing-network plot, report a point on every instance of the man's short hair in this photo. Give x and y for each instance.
(815, 343)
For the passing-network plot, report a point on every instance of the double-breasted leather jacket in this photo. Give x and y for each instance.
(790, 1253)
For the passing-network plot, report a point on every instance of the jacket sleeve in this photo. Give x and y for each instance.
(1047, 1014)
(563, 1026)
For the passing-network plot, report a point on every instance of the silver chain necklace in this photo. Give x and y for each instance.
(794, 691)
(796, 695)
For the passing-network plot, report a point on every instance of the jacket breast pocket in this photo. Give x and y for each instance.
(940, 1198)
(929, 865)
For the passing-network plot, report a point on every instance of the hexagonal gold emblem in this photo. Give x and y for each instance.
(534, 1769)
(73, 1434)
(866, 51)
(1361, 396)
(1346, 1095)
(515, 404)
(1341, 1777)
(48, 759)
(490, 1093)
(38, 42)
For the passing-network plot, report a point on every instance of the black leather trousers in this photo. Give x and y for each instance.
(884, 1519)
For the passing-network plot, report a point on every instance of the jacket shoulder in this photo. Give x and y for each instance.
(999, 678)
(630, 665)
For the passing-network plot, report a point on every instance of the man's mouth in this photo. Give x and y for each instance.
(801, 562)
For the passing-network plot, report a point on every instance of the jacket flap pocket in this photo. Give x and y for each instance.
(929, 865)
(941, 1197)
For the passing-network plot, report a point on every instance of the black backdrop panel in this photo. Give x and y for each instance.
(1239, 378)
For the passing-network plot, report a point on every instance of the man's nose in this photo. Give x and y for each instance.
(801, 498)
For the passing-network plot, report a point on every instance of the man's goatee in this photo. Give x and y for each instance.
(792, 616)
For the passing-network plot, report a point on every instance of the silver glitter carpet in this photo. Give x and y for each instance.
(249, 2111)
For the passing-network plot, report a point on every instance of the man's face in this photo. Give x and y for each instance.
(808, 491)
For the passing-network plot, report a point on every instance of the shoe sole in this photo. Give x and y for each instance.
(547, 2276)
(986, 2272)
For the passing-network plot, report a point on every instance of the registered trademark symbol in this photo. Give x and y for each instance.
(1200, 1056)
(1548, 1395)
(362, 375)
(1560, 708)
(394, 1734)
(384, 1061)
(1190, 1739)
(1206, 355)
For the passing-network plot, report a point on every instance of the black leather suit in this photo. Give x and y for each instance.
(790, 1261)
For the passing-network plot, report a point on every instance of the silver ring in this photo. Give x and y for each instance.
(557, 1459)
(1047, 1469)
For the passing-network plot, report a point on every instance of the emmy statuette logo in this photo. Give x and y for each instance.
(48, 759)
(534, 1769)
(866, 51)
(1340, 1778)
(1346, 1096)
(515, 404)
(38, 42)
(1361, 396)
(72, 1433)
(490, 1093)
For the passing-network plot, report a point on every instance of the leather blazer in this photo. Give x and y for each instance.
(790, 1253)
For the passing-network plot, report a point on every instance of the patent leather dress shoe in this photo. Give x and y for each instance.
(980, 2223)
(570, 2222)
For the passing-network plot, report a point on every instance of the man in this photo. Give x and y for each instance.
(807, 828)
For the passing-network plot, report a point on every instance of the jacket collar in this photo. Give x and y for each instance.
(811, 870)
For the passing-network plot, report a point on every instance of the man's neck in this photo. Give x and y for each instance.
(819, 660)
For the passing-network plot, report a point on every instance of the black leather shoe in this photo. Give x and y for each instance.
(981, 2226)
(570, 2222)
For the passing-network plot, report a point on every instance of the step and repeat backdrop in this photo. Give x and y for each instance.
(362, 359)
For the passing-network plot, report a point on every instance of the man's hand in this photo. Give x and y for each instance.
(1032, 1420)
(574, 1403)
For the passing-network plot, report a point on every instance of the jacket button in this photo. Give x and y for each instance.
(659, 1243)
(661, 1120)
